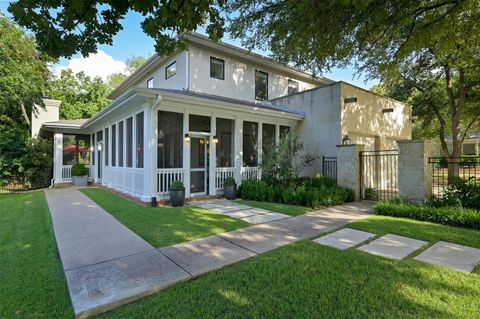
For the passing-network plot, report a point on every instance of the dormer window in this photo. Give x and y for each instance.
(150, 83)
(171, 70)
(261, 86)
(217, 68)
(292, 87)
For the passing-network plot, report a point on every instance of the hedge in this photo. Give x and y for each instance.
(454, 216)
(309, 192)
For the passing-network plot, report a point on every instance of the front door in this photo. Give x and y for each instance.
(199, 165)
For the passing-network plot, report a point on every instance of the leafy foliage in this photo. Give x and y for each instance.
(463, 193)
(229, 181)
(285, 161)
(65, 27)
(79, 170)
(309, 192)
(23, 74)
(132, 64)
(81, 96)
(455, 216)
(177, 185)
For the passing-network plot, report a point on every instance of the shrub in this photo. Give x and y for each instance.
(455, 216)
(371, 194)
(229, 181)
(176, 186)
(296, 192)
(464, 193)
(79, 170)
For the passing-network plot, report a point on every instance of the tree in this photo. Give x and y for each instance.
(66, 27)
(81, 96)
(132, 64)
(23, 74)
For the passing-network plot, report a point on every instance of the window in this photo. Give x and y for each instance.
(93, 155)
(225, 143)
(129, 146)
(268, 137)
(250, 139)
(106, 147)
(199, 123)
(76, 149)
(217, 68)
(284, 130)
(139, 136)
(292, 87)
(150, 83)
(120, 144)
(261, 85)
(171, 70)
(170, 140)
(114, 145)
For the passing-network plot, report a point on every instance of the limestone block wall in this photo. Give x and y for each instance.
(348, 167)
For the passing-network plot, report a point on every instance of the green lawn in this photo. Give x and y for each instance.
(276, 207)
(32, 284)
(301, 280)
(164, 226)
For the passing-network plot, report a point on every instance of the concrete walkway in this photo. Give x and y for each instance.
(107, 265)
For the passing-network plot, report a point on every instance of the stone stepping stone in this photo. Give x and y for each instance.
(393, 246)
(247, 212)
(344, 238)
(264, 218)
(452, 256)
(230, 208)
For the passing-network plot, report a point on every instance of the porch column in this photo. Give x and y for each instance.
(277, 134)
(260, 148)
(212, 187)
(150, 153)
(238, 149)
(186, 155)
(58, 157)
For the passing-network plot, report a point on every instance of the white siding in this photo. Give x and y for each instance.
(239, 80)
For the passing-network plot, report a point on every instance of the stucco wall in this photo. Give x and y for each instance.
(48, 114)
(365, 123)
(177, 81)
(320, 130)
(239, 80)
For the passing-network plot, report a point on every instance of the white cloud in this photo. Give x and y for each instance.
(99, 64)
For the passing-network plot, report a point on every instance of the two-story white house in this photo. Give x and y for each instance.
(204, 113)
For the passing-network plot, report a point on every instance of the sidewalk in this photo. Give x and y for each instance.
(107, 265)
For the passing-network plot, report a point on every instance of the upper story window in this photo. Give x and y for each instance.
(261, 85)
(171, 70)
(150, 83)
(292, 87)
(217, 68)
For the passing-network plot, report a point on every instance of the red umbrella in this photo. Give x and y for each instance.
(73, 148)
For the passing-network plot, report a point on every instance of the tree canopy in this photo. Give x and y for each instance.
(132, 63)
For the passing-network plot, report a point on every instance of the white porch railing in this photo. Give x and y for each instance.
(165, 177)
(222, 173)
(250, 173)
(67, 172)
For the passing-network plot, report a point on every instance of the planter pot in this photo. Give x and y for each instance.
(177, 198)
(230, 191)
(80, 181)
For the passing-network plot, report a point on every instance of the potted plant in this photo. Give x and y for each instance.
(79, 175)
(177, 193)
(230, 188)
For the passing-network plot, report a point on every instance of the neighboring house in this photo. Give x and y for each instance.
(204, 114)
(470, 145)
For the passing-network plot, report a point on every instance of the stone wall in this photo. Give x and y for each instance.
(348, 167)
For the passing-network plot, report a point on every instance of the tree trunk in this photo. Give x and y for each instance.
(25, 116)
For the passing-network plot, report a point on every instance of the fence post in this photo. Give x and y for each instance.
(414, 171)
(348, 167)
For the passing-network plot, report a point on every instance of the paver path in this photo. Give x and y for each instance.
(107, 265)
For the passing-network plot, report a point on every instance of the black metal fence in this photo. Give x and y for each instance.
(446, 172)
(379, 174)
(329, 167)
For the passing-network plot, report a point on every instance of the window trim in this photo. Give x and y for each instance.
(148, 81)
(166, 68)
(296, 83)
(266, 93)
(223, 67)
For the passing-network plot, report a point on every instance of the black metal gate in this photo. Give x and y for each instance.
(329, 167)
(379, 174)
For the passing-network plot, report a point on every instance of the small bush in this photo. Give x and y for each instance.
(79, 170)
(464, 193)
(455, 216)
(371, 194)
(310, 192)
(176, 186)
(229, 181)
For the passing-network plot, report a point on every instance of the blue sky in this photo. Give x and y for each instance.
(132, 41)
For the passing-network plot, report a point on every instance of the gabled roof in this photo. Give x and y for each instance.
(156, 60)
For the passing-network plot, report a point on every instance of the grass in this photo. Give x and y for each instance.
(291, 210)
(32, 283)
(301, 280)
(164, 226)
